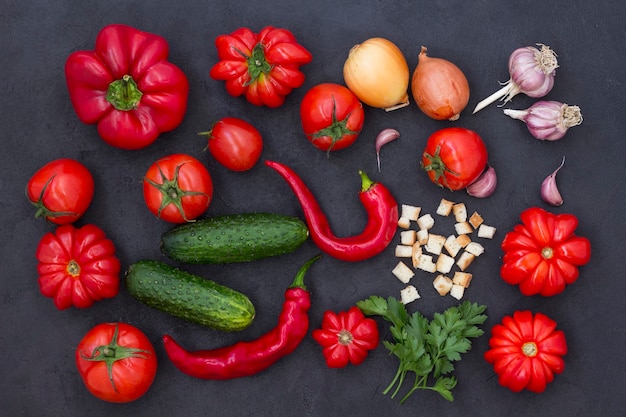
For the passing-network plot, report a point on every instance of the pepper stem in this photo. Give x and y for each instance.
(366, 182)
(124, 94)
(298, 281)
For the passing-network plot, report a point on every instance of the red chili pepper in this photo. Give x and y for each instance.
(379, 203)
(346, 337)
(248, 358)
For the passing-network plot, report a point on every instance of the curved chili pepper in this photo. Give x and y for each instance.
(248, 358)
(379, 203)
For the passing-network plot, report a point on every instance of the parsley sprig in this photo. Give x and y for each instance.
(427, 348)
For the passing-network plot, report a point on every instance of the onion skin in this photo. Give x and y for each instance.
(376, 71)
(439, 87)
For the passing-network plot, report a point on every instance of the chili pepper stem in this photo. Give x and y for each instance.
(298, 281)
(366, 182)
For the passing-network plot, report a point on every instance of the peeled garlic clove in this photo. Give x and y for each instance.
(549, 191)
(485, 185)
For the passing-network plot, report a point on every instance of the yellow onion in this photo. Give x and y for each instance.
(439, 87)
(376, 71)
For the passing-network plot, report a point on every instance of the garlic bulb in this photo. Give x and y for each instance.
(548, 120)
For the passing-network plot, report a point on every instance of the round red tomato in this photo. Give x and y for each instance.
(177, 188)
(117, 362)
(235, 143)
(454, 157)
(332, 116)
(61, 190)
(77, 266)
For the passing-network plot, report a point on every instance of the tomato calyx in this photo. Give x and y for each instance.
(73, 268)
(171, 193)
(344, 337)
(336, 130)
(124, 94)
(530, 349)
(113, 352)
(45, 212)
(547, 252)
(436, 165)
(257, 64)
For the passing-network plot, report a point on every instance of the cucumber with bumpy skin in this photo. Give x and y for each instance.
(234, 238)
(189, 297)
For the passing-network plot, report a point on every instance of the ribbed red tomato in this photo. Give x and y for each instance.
(77, 266)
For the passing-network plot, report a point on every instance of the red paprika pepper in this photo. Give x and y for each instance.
(127, 86)
(379, 203)
(346, 337)
(251, 357)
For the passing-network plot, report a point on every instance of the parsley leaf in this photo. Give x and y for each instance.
(426, 348)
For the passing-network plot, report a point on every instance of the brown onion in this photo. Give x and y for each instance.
(439, 87)
(376, 71)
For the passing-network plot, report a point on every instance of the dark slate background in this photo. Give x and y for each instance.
(37, 342)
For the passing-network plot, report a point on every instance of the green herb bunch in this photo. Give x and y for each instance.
(427, 348)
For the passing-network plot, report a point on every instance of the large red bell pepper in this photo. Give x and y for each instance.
(127, 87)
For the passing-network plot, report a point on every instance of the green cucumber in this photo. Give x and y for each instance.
(234, 238)
(187, 296)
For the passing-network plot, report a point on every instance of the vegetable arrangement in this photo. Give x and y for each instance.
(132, 93)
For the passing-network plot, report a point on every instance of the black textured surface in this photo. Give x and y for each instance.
(37, 342)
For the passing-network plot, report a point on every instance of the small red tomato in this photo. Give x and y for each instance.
(454, 157)
(332, 116)
(526, 351)
(235, 143)
(177, 188)
(61, 190)
(117, 362)
(77, 266)
(346, 337)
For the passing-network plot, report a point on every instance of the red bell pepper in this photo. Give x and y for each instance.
(346, 337)
(526, 351)
(127, 87)
(264, 67)
(542, 254)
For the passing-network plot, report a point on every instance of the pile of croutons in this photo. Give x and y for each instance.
(438, 254)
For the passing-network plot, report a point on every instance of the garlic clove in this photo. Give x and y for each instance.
(549, 190)
(485, 185)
